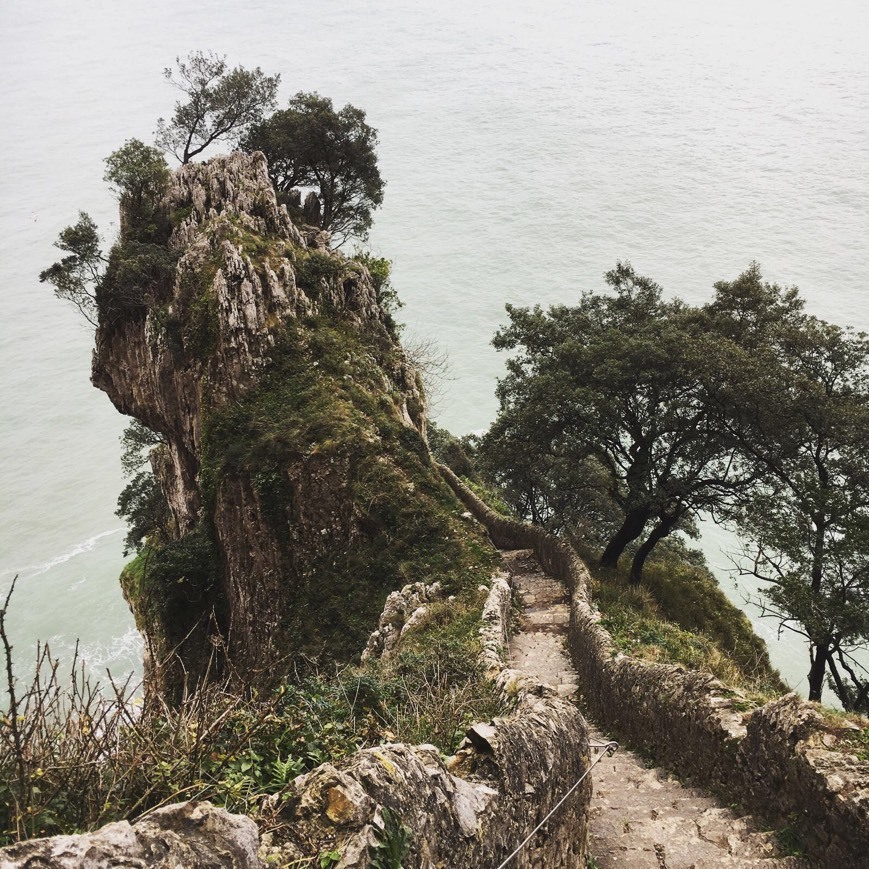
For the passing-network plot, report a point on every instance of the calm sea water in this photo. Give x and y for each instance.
(526, 150)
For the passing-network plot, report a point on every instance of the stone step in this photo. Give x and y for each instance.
(641, 817)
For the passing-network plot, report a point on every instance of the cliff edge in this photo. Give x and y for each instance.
(297, 483)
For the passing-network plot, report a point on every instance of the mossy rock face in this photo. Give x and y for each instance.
(294, 454)
(320, 462)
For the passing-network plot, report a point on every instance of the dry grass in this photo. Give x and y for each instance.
(75, 755)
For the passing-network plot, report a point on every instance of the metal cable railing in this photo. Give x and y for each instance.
(606, 748)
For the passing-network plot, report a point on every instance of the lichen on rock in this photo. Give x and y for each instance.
(195, 835)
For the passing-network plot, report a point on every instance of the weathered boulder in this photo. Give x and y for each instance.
(192, 835)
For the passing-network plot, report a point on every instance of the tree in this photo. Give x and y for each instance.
(142, 502)
(556, 489)
(619, 379)
(77, 276)
(310, 145)
(796, 394)
(221, 103)
(139, 176)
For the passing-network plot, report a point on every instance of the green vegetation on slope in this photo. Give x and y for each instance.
(86, 760)
(321, 404)
(680, 616)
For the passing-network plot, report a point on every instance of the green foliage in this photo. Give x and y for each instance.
(491, 497)
(747, 409)
(142, 505)
(137, 441)
(458, 454)
(138, 274)
(83, 759)
(313, 268)
(172, 587)
(393, 843)
(310, 145)
(859, 740)
(139, 176)
(321, 406)
(797, 392)
(86, 759)
(789, 840)
(434, 688)
(138, 265)
(680, 615)
(609, 397)
(76, 277)
(221, 103)
(380, 270)
(176, 574)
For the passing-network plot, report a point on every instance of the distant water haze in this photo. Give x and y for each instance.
(525, 149)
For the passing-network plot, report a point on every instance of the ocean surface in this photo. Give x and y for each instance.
(526, 150)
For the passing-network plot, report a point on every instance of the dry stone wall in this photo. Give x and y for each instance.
(778, 761)
(470, 810)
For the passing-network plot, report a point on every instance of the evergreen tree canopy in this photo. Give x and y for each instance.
(310, 146)
(613, 390)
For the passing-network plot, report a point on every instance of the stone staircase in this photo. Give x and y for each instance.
(641, 817)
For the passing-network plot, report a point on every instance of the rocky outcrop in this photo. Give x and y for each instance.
(292, 432)
(193, 835)
(781, 761)
(403, 609)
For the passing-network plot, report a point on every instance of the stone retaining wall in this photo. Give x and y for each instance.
(775, 761)
(467, 811)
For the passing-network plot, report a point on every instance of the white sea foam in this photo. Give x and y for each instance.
(121, 655)
(79, 549)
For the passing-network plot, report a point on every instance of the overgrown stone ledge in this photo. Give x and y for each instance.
(403, 609)
(775, 761)
(466, 811)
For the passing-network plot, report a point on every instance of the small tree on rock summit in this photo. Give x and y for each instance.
(221, 103)
(311, 146)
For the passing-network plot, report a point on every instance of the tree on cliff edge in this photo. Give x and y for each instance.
(100, 285)
(618, 380)
(796, 393)
(221, 103)
(311, 146)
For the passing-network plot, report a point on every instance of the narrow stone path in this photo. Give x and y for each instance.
(641, 818)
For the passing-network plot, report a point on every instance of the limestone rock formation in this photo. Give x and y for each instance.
(292, 437)
(195, 835)
(403, 609)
